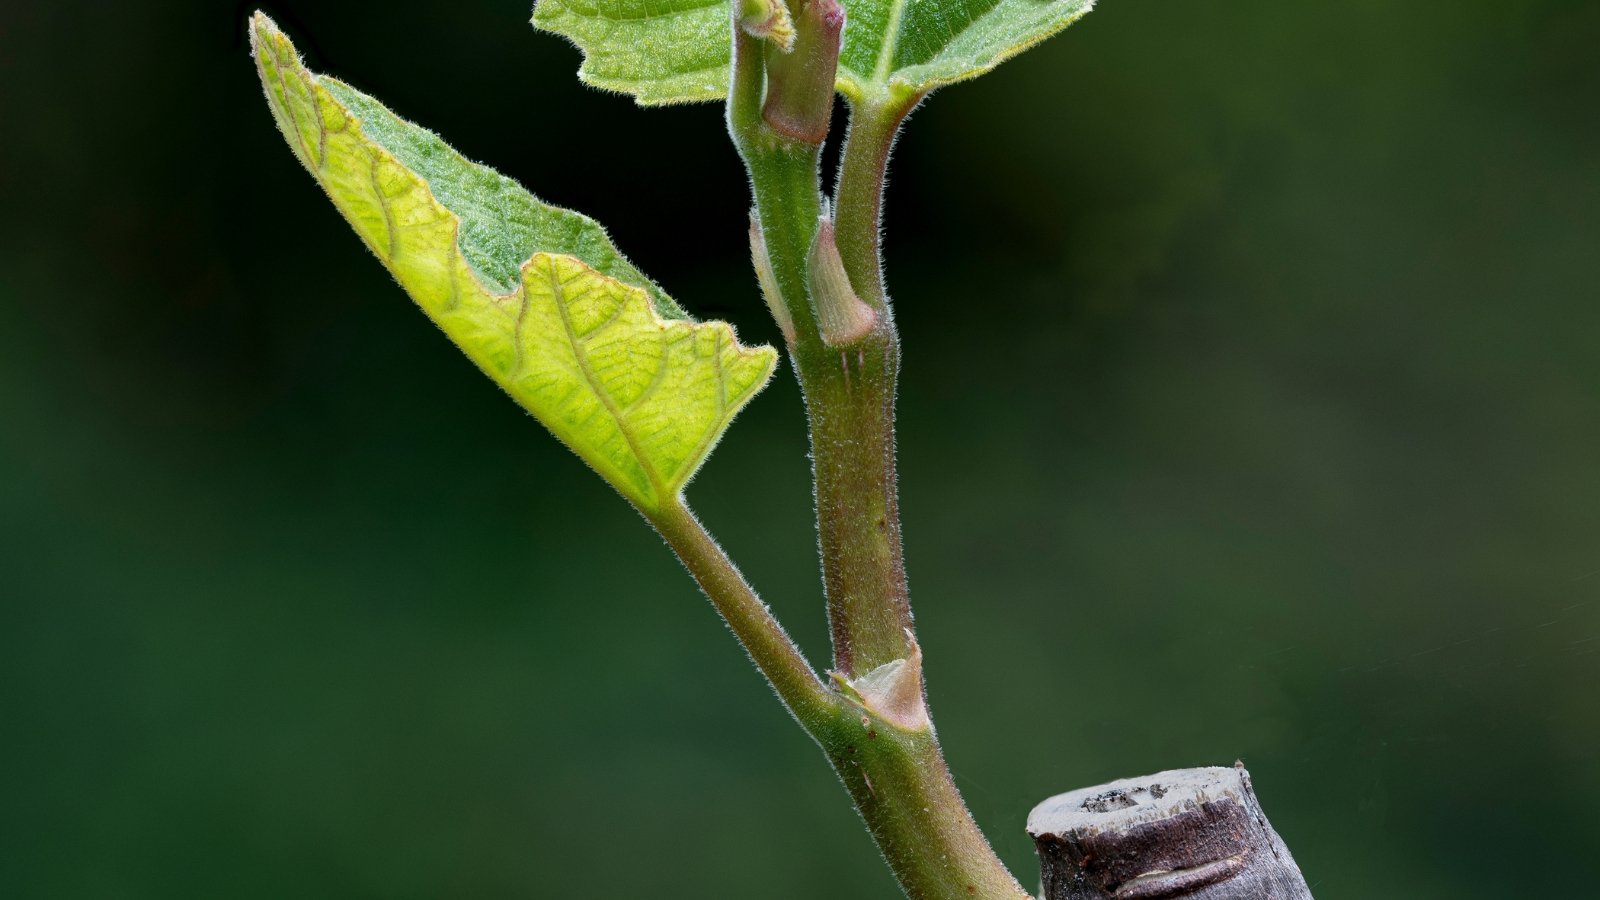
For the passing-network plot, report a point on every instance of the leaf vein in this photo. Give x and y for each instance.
(558, 295)
(388, 214)
(657, 379)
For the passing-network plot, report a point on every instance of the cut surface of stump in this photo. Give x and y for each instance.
(1184, 834)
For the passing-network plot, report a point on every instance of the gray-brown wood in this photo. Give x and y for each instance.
(1186, 834)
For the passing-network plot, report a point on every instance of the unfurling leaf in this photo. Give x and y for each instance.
(536, 295)
(679, 51)
(768, 20)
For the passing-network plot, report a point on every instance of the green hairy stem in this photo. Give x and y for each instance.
(887, 756)
(542, 301)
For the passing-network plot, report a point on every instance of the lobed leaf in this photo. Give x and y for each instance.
(678, 51)
(536, 295)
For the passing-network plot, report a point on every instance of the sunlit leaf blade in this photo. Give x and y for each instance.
(537, 296)
(678, 51)
(502, 225)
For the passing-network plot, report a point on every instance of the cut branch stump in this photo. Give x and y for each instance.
(1185, 834)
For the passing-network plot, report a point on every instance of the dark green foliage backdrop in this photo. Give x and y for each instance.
(1252, 408)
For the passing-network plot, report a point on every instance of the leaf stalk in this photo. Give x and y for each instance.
(770, 647)
(875, 123)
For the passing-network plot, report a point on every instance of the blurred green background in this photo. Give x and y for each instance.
(1251, 409)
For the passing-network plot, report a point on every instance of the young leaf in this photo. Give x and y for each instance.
(768, 20)
(678, 51)
(537, 296)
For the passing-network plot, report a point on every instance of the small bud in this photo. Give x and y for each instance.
(894, 691)
(842, 317)
(769, 281)
(768, 20)
(800, 81)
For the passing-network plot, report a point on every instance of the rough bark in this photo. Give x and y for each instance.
(1194, 834)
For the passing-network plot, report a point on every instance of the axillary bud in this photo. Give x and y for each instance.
(842, 317)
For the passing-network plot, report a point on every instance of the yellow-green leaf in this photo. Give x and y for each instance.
(537, 296)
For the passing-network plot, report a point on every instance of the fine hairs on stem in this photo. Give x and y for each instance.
(545, 305)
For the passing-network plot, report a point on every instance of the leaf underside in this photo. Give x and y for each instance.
(678, 51)
(537, 296)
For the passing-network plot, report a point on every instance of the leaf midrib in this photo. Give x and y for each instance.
(891, 43)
